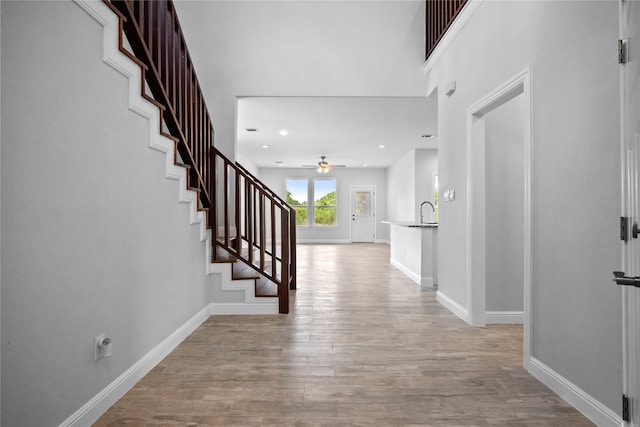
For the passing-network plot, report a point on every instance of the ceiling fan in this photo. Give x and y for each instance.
(323, 166)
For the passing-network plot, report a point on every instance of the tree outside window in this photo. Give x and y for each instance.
(323, 212)
(324, 202)
(297, 190)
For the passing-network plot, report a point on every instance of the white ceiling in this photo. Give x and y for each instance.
(348, 130)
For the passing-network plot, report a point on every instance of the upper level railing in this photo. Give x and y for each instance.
(247, 219)
(440, 15)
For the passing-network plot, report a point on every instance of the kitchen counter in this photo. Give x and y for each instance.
(412, 224)
(414, 249)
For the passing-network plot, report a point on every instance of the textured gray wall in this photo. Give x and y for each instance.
(576, 318)
(93, 237)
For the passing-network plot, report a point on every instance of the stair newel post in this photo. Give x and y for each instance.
(283, 286)
(291, 243)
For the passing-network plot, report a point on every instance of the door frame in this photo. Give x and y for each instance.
(518, 85)
(630, 305)
(374, 206)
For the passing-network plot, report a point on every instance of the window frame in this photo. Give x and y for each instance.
(286, 190)
(334, 207)
(311, 206)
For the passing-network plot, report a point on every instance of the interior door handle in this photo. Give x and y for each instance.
(621, 279)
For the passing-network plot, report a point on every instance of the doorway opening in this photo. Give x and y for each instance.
(491, 201)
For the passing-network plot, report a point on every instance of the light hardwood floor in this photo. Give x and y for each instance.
(363, 345)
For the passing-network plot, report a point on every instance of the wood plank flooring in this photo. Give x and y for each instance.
(362, 346)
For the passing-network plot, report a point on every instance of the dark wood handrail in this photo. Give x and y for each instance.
(262, 222)
(267, 189)
(245, 222)
(154, 33)
(440, 15)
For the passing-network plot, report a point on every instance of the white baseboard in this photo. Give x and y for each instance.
(98, 405)
(453, 306)
(386, 241)
(425, 282)
(268, 307)
(506, 317)
(575, 396)
(410, 274)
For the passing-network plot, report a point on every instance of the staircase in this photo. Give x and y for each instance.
(252, 229)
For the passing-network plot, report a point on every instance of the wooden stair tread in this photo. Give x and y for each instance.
(264, 286)
(224, 256)
(243, 271)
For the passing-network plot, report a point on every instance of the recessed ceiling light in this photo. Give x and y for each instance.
(265, 146)
(284, 132)
(279, 163)
(381, 146)
(364, 165)
(251, 130)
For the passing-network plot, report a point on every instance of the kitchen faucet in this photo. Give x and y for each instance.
(421, 205)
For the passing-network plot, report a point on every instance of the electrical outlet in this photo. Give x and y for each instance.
(101, 347)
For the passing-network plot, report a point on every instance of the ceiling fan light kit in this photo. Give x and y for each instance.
(323, 165)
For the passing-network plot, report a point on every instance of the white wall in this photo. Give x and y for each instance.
(93, 237)
(302, 48)
(410, 182)
(504, 160)
(275, 178)
(426, 167)
(576, 326)
(401, 182)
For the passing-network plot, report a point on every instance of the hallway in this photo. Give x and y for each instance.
(363, 345)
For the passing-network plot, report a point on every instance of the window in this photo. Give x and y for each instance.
(297, 190)
(324, 202)
(299, 196)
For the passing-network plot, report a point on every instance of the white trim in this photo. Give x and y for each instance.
(518, 85)
(628, 27)
(427, 282)
(504, 317)
(248, 287)
(98, 405)
(458, 24)
(385, 241)
(452, 306)
(575, 396)
(120, 62)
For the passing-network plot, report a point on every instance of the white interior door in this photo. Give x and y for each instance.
(363, 215)
(630, 103)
